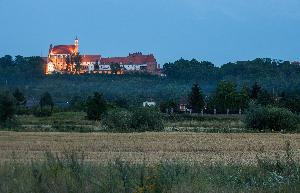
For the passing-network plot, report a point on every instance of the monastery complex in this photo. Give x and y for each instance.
(64, 59)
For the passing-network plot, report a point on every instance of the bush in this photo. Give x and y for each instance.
(7, 107)
(118, 120)
(42, 112)
(270, 118)
(147, 119)
(96, 106)
(137, 120)
(77, 104)
(46, 100)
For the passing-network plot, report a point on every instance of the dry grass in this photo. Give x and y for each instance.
(150, 147)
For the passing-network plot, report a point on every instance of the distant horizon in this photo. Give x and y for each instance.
(219, 31)
(161, 64)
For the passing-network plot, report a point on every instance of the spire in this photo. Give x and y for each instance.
(76, 44)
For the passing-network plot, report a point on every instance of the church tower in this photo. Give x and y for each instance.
(76, 45)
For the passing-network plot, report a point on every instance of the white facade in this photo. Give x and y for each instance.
(104, 67)
(91, 67)
(133, 67)
(50, 68)
(149, 104)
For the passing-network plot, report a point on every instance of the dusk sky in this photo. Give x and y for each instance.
(219, 31)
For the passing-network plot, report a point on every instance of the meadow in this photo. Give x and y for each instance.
(166, 162)
(77, 122)
(66, 152)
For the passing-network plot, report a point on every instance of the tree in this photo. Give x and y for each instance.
(77, 61)
(46, 100)
(96, 106)
(270, 118)
(264, 98)
(7, 107)
(77, 103)
(72, 59)
(242, 99)
(196, 100)
(255, 91)
(168, 106)
(20, 97)
(225, 96)
(147, 119)
(97, 66)
(19, 61)
(69, 63)
(115, 68)
(291, 102)
(191, 70)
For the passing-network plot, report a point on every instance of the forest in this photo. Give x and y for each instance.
(26, 73)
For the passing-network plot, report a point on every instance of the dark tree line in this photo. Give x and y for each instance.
(33, 66)
(277, 78)
(228, 98)
(271, 74)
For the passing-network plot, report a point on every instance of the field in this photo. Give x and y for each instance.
(193, 154)
(76, 121)
(206, 148)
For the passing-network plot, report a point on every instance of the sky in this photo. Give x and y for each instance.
(219, 31)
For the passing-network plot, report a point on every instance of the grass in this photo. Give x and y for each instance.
(70, 173)
(151, 162)
(63, 121)
(77, 122)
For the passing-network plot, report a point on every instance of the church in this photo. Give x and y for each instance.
(64, 59)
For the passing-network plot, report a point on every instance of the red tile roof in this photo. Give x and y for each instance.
(91, 58)
(136, 58)
(63, 49)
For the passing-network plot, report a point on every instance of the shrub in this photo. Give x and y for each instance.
(270, 118)
(46, 100)
(118, 120)
(77, 104)
(7, 107)
(20, 97)
(42, 112)
(137, 120)
(96, 106)
(147, 119)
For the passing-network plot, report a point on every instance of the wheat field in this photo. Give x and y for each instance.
(204, 148)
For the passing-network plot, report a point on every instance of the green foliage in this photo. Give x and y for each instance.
(122, 103)
(115, 67)
(136, 88)
(42, 112)
(7, 107)
(77, 103)
(227, 97)
(21, 67)
(255, 91)
(264, 98)
(70, 172)
(147, 119)
(196, 99)
(191, 70)
(271, 118)
(167, 106)
(118, 120)
(46, 106)
(77, 60)
(20, 97)
(46, 100)
(291, 102)
(95, 106)
(137, 120)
